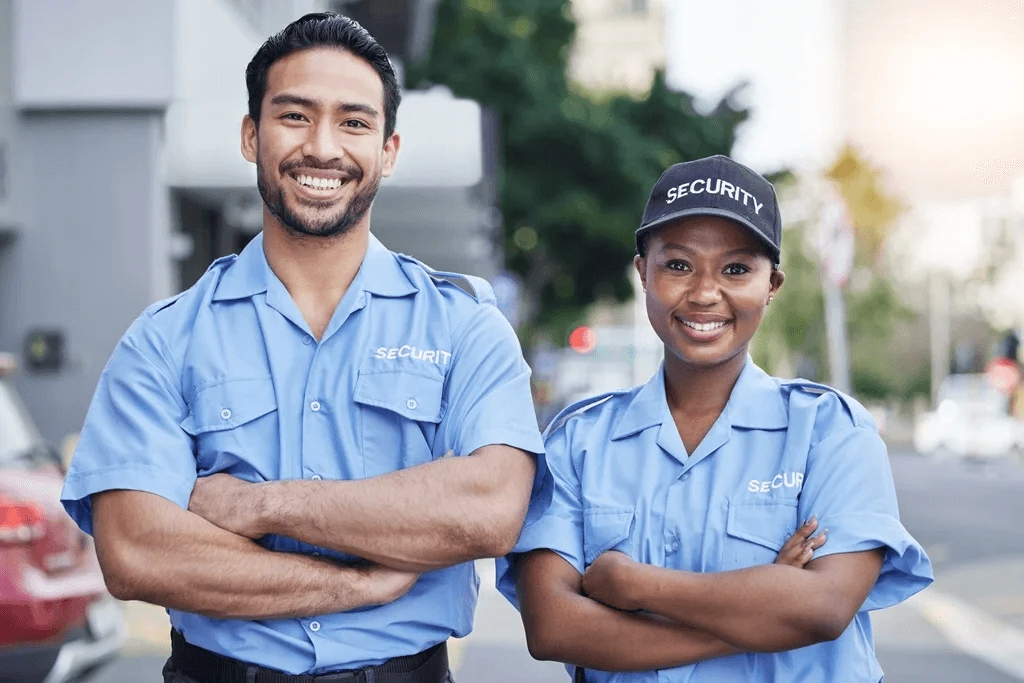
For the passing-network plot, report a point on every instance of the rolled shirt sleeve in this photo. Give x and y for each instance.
(560, 527)
(849, 486)
(132, 438)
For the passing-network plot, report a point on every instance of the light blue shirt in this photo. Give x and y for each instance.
(779, 453)
(414, 365)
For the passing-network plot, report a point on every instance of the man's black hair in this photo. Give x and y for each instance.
(323, 29)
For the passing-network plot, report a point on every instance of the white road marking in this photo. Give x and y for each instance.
(973, 632)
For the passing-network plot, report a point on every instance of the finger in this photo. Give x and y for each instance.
(818, 540)
(801, 535)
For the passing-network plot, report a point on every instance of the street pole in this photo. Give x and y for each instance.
(939, 328)
(835, 326)
(837, 244)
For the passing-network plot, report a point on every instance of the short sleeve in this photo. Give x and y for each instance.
(849, 486)
(132, 437)
(489, 397)
(560, 527)
(488, 393)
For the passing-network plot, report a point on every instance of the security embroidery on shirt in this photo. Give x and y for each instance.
(787, 480)
(435, 356)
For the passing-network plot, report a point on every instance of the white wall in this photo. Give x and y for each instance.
(95, 54)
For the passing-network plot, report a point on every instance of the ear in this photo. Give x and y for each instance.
(250, 143)
(777, 278)
(640, 263)
(391, 154)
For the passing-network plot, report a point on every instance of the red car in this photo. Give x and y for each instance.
(56, 617)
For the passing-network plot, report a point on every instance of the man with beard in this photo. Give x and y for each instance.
(268, 454)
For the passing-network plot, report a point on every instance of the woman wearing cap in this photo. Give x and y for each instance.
(656, 559)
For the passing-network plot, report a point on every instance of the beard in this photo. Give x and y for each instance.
(321, 224)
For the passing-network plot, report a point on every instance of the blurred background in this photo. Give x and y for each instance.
(533, 131)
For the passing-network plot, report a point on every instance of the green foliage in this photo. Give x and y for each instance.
(792, 336)
(576, 171)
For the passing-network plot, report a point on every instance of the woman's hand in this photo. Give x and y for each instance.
(608, 580)
(800, 547)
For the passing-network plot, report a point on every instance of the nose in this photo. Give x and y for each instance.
(322, 143)
(705, 290)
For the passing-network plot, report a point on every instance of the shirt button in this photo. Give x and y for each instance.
(686, 476)
(316, 477)
(314, 626)
(307, 340)
(411, 404)
(314, 406)
(225, 414)
(675, 546)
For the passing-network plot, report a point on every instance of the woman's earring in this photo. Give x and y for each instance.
(770, 299)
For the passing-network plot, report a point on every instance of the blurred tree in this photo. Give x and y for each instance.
(576, 170)
(792, 337)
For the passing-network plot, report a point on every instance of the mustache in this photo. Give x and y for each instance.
(313, 163)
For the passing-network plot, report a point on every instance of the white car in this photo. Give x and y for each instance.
(972, 420)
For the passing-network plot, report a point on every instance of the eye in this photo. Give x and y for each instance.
(736, 269)
(355, 123)
(681, 266)
(293, 116)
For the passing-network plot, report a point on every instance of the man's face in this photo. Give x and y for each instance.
(319, 148)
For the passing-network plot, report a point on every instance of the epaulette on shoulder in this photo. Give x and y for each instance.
(223, 259)
(578, 408)
(860, 415)
(476, 287)
(155, 308)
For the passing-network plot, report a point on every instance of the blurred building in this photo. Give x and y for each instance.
(121, 176)
(619, 44)
(928, 90)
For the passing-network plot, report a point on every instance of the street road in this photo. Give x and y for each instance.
(968, 628)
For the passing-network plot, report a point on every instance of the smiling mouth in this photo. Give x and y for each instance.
(317, 183)
(705, 327)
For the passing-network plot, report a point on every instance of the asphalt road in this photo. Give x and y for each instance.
(968, 517)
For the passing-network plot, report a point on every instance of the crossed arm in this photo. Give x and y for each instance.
(406, 522)
(686, 617)
(426, 517)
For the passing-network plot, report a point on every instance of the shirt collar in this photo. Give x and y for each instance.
(755, 403)
(380, 273)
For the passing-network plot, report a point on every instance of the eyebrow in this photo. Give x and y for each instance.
(347, 107)
(742, 251)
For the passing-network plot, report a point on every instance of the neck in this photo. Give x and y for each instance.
(317, 269)
(694, 390)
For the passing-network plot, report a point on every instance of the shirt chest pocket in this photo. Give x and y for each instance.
(235, 427)
(398, 417)
(607, 528)
(756, 532)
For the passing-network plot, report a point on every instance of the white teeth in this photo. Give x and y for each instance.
(704, 327)
(319, 183)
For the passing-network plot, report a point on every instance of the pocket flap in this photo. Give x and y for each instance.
(415, 397)
(229, 404)
(606, 528)
(768, 523)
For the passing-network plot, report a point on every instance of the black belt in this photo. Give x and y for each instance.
(429, 666)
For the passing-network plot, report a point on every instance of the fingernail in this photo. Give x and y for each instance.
(803, 523)
(814, 518)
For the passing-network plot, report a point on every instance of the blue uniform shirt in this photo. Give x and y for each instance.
(779, 453)
(413, 366)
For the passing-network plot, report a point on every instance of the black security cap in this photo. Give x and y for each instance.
(716, 186)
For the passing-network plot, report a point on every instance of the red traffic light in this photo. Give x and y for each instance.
(583, 339)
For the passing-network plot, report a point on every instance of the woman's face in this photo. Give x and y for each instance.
(707, 281)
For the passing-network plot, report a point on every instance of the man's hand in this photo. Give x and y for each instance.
(228, 502)
(609, 579)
